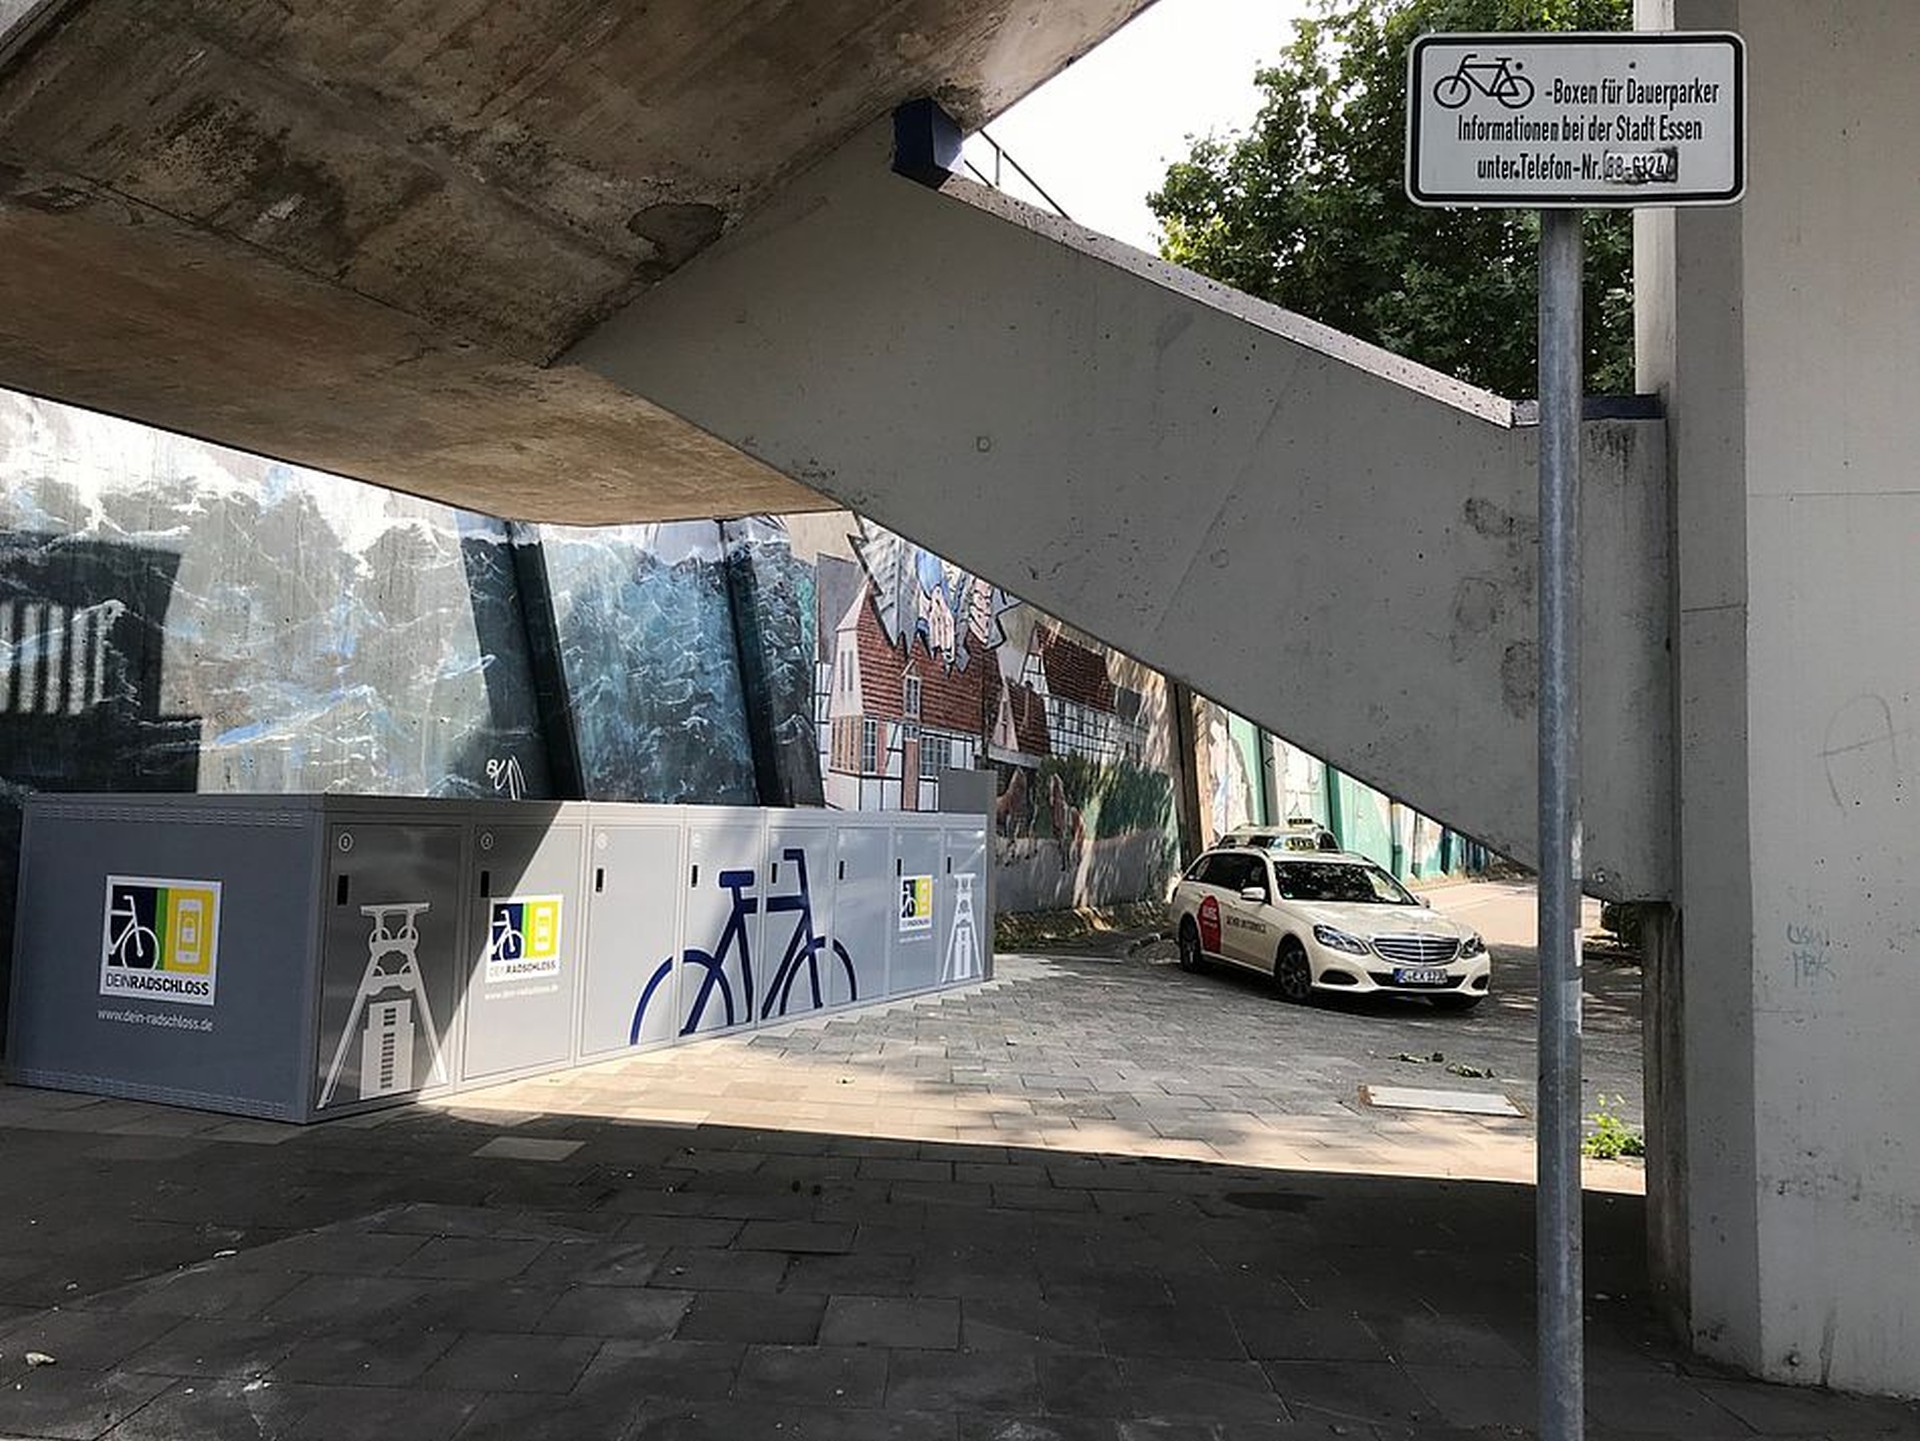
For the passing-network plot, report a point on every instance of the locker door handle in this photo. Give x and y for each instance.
(486, 883)
(773, 872)
(896, 866)
(843, 871)
(695, 879)
(340, 891)
(949, 865)
(599, 879)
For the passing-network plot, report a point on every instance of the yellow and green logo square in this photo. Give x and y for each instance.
(160, 939)
(916, 903)
(523, 938)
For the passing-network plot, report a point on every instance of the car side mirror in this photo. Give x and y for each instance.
(1424, 901)
(1253, 893)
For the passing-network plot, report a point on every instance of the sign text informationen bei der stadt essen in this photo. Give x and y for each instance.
(1552, 120)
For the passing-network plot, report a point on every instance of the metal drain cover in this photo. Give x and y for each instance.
(1458, 1103)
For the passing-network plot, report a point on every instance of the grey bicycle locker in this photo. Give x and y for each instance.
(305, 956)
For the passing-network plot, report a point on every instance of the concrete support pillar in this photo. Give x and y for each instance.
(1783, 335)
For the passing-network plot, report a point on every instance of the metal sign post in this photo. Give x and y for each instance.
(1562, 122)
(1557, 1106)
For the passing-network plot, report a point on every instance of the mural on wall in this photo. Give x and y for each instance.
(687, 654)
(326, 635)
(179, 616)
(1228, 761)
(644, 618)
(925, 667)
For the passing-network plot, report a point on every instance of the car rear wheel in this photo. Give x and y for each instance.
(1191, 957)
(1456, 1003)
(1292, 973)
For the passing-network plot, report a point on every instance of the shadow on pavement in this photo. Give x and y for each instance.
(423, 1274)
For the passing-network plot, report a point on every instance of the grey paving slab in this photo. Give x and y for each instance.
(1291, 1333)
(208, 1346)
(1192, 1330)
(669, 1231)
(600, 1262)
(1478, 1397)
(1795, 1411)
(232, 1410)
(823, 1375)
(729, 1421)
(508, 1363)
(470, 1258)
(916, 1323)
(821, 1238)
(507, 1307)
(333, 1252)
(945, 1381)
(214, 1289)
(697, 1268)
(386, 1356)
(362, 1413)
(673, 1369)
(630, 1313)
(1352, 1393)
(877, 1273)
(750, 1317)
(602, 1414)
(86, 1339)
(68, 1402)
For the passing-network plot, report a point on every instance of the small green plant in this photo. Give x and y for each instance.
(1612, 1137)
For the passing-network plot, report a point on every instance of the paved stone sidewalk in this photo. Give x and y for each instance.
(1133, 1057)
(439, 1276)
(1106, 1212)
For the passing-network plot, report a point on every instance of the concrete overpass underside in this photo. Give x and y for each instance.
(354, 235)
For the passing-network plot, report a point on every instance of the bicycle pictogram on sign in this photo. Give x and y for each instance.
(1497, 79)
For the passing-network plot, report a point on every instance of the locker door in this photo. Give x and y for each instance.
(965, 924)
(634, 881)
(721, 968)
(863, 909)
(801, 958)
(524, 948)
(914, 961)
(390, 969)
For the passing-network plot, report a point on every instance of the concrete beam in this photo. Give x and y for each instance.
(353, 236)
(1333, 541)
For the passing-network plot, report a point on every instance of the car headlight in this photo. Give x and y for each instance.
(1339, 940)
(1472, 946)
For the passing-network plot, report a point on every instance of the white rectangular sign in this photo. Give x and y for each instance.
(1564, 120)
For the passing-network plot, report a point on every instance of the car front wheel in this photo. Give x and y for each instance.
(1191, 958)
(1292, 973)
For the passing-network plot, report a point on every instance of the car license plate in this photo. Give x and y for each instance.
(1419, 976)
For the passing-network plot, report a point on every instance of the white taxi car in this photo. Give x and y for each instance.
(1324, 921)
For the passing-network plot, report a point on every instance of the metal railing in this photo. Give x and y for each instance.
(1003, 161)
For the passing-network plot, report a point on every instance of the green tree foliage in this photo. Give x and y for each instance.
(1308, 209)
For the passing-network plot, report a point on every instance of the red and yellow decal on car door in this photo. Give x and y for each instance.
(1210, 924)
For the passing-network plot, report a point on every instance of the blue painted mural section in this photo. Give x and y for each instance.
(645, 623)
(776, 636)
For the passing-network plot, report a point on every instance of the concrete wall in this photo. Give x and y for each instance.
(1788, 351)
(1329, 540)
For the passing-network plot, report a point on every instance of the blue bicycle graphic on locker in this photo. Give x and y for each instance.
(806, 952)
(1497, 79)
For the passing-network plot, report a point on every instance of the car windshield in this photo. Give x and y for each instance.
(1326, 881)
